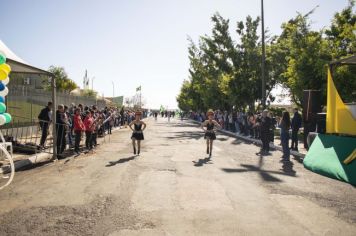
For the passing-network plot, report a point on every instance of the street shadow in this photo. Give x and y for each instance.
(182, 125)
(266, 175)
(120, 161)
(237, 142)
(187, 135)
(298, 158)
(202, 162)
(31, 165)
(221, 139)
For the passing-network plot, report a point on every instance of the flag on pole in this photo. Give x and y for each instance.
(138, 88)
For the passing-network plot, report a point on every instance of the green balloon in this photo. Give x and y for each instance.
(8, 117)
(2, 59)
(2, 108)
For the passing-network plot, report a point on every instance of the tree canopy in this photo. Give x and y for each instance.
(225, 72)
(63, 82)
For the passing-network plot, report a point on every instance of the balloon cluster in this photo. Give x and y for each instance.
(4, 80)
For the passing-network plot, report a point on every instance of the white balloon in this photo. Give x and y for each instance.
(6, 81)
(2, 120)
(4, 92)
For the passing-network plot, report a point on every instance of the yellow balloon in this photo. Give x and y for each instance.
(3, 74)
(5, 67)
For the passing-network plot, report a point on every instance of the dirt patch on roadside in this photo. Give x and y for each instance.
(100, 217)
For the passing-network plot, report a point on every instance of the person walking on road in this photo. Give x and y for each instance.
(210, 135)
(296, 124)
(137, 132)
(285, 125)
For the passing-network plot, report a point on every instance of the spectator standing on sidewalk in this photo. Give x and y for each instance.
(265, 125)
(111, 121)
(96, 119)
(61, 129)
(234, 121)
(285, 125)
(89, 129)
(45, 118)
(69, 121)
(296, 124)
(231, 122)
(273, 127)
(78, 129)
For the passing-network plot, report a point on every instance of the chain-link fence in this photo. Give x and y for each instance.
(24, 103)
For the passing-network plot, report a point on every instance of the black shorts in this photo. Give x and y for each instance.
(210, 135)
(137, 136)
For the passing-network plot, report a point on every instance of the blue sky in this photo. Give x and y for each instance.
(133, 42)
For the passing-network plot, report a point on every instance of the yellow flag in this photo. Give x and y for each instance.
(339, 118)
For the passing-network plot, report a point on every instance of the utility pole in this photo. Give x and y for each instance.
(263, 59)
(92, 83)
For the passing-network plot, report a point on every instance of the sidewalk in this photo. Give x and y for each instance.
(25, 161)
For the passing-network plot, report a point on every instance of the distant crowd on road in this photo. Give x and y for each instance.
(259, 125)
(75, 121)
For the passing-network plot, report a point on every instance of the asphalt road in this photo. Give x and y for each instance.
(174, 189)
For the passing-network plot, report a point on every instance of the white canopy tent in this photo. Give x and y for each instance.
(17, 64)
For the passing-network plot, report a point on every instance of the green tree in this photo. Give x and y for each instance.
(63, 82)
(217, 52)
(306, 56)
(342, 43)
(249, 71)
(90, 93)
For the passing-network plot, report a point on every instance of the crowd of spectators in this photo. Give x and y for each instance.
(255, 125)
(81, 122)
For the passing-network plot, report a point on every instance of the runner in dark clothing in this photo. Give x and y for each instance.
(137, 132)
(210, 135)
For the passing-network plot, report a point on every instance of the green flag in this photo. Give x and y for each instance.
(138, 88)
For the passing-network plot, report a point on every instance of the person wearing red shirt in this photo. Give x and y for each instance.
(89, 129)
(78, 129)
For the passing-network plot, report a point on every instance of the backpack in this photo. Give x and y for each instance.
(43, 114)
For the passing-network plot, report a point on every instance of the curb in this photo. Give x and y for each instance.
(45, 157)
(256, 141)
